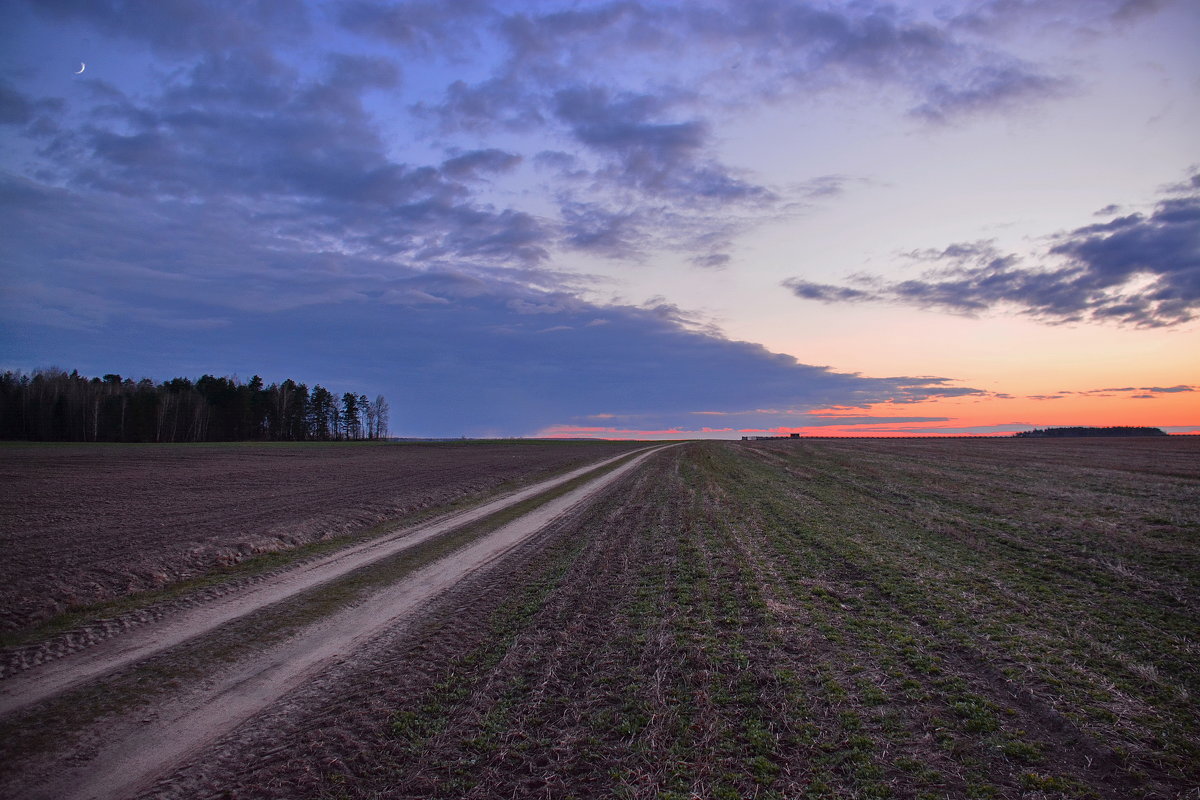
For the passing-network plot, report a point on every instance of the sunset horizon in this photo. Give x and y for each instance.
(600, 398)
(618, 220)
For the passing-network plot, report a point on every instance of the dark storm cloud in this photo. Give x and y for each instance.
(1141, 270)
(499, 354)
(177, 28)
(919, 392)
(633, 232)
(499, 236)
(1017, 16)
(559, 72)
(1189, 184)
(655, 155)
(565, 164)
(529, 34)
(97, 262)
(624, 125)
(798, 46)
(496, 370)
(238, 184)
(808, 290)
(427, 27)
(613, 234)
(713, 260)
(981, 253)
(362, 72)
(650, 182)
(987, 88)
(946, 77)
(503, 103)
(789, 47)
(302, 154)
(477, 162)
(18, 108)
(1148, 389)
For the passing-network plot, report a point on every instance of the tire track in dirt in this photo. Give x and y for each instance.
(132, 760)
(47, 680)
(578, 568)
(98, 523)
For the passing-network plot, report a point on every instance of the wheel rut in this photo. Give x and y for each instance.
(122, 754)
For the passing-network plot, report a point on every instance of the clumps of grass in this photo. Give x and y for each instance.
(1022, 751)
(433, 711)
(1064, 786)
(1000, 601)
(821, 622)
(920, 772)
(976, 715)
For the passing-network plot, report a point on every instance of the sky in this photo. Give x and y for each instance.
(617, 219)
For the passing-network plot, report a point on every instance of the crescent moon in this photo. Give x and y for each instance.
(82, 67)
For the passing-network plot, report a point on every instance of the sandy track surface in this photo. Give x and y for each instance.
(127, 755)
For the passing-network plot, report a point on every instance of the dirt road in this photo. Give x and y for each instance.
(121, 752)
(90, 523)
(783, 619)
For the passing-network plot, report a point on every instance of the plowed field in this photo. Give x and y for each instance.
(821, 620)
(86, 523)
(786, 619)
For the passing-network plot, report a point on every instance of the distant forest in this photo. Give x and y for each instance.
(1039, 433)
(52, 405)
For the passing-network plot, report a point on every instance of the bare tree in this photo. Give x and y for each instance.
(377, 416)
(368, 410)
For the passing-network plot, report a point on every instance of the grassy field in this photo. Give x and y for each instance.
(1008, 619)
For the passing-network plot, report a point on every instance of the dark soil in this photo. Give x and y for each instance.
(819, 620)
(81, 524)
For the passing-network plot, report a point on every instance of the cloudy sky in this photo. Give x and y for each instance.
(617, 218)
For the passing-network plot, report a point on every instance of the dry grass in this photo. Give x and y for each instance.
(835, 619)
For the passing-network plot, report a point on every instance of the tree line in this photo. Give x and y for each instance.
(1063, 433)
(52, 405)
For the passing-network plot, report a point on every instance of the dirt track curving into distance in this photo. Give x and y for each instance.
(117, 755)
(845, 619)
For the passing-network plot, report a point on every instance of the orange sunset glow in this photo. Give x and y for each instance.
(643, 219)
